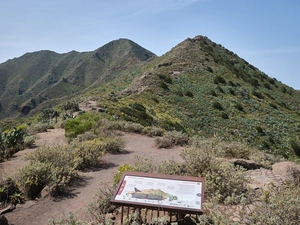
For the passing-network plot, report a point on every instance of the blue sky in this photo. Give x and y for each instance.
(266, 33)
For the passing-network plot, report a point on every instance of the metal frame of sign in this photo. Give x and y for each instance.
(171, 193)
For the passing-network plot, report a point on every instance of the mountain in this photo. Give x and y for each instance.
(204, 89)
(44, 76)
(198, 87)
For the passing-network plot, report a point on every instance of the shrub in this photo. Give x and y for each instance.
(233, 150)
(171, 138)
(102, 205)
(153, 131)
(217, 105)
(254, 82)
(257, 94)
(121, 170)
(224, 115)
(71, 106)
(54, 167)
(266, 85)
(164, 86)
(219, 79)
(296, 147)
(280, 205)
(239, 106)
(114, 144)
(65, 219)
(260, 131)
(133, 127)
(143, 164)
(171, 167)
(87, 153)
(36, 128)
(29, 141)
(81, 124)
(273, 105)
(9, 188)
(209, 69)
(225, 183)
(163, 142)
(166, 78)
(189, 94)
(231, 91)
(212, 93)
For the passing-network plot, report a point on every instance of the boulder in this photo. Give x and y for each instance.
(286, 169)
(247, 164)
(3, 220)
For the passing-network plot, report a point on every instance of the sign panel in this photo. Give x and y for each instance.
(180, 193)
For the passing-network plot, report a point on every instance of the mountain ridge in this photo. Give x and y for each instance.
(198, 87)
(34, 77)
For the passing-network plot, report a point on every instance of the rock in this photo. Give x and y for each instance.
(247, 164)
(7, 209)
(45, 193)
(3, 220)
(286, 169)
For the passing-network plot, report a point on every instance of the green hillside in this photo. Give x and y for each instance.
(40, 77)
(204, 89)
(199, 87)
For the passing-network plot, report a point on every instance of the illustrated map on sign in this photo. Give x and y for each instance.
(160, 192)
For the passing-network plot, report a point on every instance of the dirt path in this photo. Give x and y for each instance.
(39, 211)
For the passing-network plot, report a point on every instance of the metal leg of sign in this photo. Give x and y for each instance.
(122, 211)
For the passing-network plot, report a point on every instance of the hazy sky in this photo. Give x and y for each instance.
(266, 33)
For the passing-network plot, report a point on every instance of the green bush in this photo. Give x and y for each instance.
(9, 189)
(71, 106)
(121, 170)
(81, 124)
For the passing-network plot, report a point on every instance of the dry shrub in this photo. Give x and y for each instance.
(171, 167)
(224, 182)
(87, 153)
(29, 141)
(171, 138)
(114, 144)
(279, 205)
(65, 219)
(143, 164)
(153, 131)
(36, 128)
(101, 204)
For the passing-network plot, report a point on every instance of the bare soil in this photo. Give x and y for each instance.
(81, 194)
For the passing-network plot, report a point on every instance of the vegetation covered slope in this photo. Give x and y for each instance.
(38, 77)
(204, 89)
(198, 87)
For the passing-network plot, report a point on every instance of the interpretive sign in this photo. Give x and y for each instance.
(178, 193)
